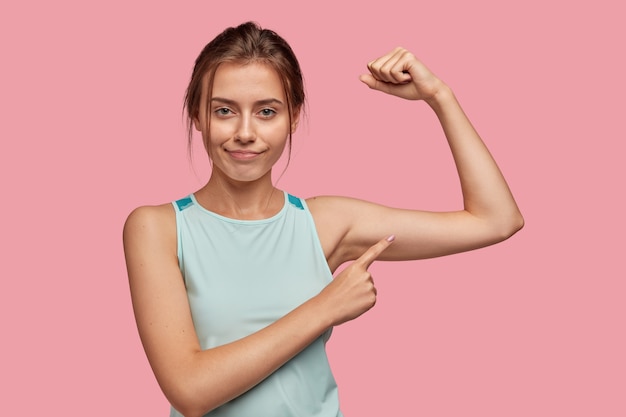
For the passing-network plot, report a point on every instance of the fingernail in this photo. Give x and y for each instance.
(391, 238)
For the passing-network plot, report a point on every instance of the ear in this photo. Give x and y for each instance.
(295, 119)
(197, 124)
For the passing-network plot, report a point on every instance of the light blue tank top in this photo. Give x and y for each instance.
(241, 276)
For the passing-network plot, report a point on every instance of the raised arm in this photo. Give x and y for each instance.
(489, 213)
(196, 381)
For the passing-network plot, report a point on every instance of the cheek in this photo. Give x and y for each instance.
(276, 134)
(219, 132)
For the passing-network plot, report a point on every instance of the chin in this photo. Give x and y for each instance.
(245, 177)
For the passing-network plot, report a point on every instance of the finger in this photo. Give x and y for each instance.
(401, 76)
(378, 66)
(375, 251)
(375, 84)
(391, 67)
(382, 71)
(370, 81)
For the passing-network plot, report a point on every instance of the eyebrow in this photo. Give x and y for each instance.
(257, 103)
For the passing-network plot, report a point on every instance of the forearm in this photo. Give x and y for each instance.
(210, 378)
(486, 194)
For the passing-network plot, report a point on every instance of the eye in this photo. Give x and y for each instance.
(267, 113)
(223, 111)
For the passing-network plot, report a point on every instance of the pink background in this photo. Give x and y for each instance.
(91, 127)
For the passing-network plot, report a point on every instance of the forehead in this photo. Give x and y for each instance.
(247, 82)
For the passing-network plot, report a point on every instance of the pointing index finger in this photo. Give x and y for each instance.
(375, 251)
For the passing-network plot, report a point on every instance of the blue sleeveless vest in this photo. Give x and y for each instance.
(241, 276)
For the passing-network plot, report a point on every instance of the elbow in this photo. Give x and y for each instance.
(182, 401)
(187, 413)
(516, 223)
(190, 412)
(188, 401)
(508, 226)
(187, 406)
(193, 392)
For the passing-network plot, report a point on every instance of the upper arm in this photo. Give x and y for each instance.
(348, 227)
(158, 292)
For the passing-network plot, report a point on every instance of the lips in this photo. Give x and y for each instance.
(243, 154)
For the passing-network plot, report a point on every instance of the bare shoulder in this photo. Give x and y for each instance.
(153, 221)
(330, 211)
(322, 204)
(150, 231)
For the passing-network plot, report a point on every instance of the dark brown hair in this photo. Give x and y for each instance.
(245, 44)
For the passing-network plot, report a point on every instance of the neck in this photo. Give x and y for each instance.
(252, 200)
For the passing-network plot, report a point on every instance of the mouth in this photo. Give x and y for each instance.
(243, 155)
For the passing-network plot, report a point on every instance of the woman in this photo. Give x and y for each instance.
(232, 285)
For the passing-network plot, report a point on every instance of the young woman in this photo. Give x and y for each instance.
(232, 285)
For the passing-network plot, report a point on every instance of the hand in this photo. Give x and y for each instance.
(352, 292)
(400, 74)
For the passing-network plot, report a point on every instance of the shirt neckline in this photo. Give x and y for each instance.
(280, 213)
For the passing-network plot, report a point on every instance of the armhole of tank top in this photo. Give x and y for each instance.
(179, 249)
(318, 243)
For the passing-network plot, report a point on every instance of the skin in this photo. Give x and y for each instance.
(249, 126)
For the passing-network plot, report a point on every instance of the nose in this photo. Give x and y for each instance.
(245, 131)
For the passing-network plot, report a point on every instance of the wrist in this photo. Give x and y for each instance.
(321, 310)
(443, 94)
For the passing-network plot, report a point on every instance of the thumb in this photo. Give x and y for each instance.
(370, 255)
(376, 84)
(371, 82)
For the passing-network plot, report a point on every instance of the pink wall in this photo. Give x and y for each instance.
(91, 128)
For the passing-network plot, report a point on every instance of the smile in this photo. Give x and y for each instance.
(243, 155)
